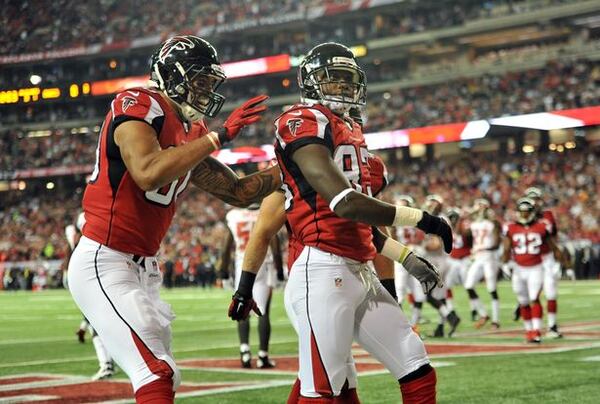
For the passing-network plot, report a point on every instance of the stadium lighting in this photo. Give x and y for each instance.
(552, 146)
(528, 148)
(35, 79)
(570, 145)
(50, 185)
(22, 185)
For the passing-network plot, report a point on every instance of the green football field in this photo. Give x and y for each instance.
(40, 358)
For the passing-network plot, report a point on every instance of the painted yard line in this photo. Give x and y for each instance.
(241, 371)
(26, 398)
(220, 391)
(46, 383)
(520, 328)
(88, 358)
(524, 351)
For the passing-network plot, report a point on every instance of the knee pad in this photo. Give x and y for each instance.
(472, 294)
(494, 294)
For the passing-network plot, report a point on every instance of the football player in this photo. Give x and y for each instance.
(105, 361)
(240, 223)
(435, 254)
(153, 142)
(459, 260)
(552, 270)
(332, 292)
(412, 237)
(486, 232)
(523, 240)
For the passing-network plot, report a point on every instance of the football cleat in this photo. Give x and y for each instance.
(80, 335)
(553, 332)
(453, 320)
(246, 359)
(105, 372)
(263, 362)
(534, 337)
(495, 326)
(482, 321)
(439, 332)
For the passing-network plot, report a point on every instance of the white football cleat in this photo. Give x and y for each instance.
(105, 372)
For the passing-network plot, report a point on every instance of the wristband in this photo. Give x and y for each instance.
(222, 135)
(395, 251)
(214, 139)
(338, 198)
(246, 283)
(390, 286)
(406, 216)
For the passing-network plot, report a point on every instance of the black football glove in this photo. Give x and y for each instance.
(436, 225)
(241, 306)
(424, 271)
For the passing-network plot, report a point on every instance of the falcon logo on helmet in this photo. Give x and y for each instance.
(174, 43)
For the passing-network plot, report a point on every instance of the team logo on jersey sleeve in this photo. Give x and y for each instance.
(128, 102)
(293, 124)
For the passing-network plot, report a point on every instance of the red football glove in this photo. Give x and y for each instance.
(240, 307)
(244, 115)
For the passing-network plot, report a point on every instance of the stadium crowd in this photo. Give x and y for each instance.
(34, 228)
(30, 28)
(560, 85)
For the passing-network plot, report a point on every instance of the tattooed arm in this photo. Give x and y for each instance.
(216, 178)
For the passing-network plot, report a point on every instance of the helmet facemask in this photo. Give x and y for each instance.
(339, 85)
(195, 95)
(526, 211)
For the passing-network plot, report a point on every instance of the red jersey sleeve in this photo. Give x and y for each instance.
(549, 216)
(137, 105)
(298, 127)
(379, 175)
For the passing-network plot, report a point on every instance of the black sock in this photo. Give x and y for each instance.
(264, 328)
(244, 331)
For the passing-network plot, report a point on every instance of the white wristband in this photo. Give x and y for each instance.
(394, 250)
(338, 198)
(406, 216)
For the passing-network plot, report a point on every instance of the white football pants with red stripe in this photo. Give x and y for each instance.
(335, 301)
(527, 283)
(121, 301)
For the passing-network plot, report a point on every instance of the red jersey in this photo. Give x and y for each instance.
(118, 213)
(526, 241)
(461, 241)
(549, 217)
(311, 220)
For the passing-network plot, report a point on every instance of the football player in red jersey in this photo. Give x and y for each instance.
(152, 143)
(552, 272)
(332, 291)
(523, 240)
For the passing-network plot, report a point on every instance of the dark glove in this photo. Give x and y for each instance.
(436, 225)
(246, 114)
(424, 271)
(242, 302)
(241, 306)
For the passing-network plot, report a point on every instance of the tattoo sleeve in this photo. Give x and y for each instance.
(219, 180)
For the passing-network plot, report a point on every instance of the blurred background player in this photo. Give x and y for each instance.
(406, 284)
(240, 223)
(434, 252)
(460, 258)
(551, 267)
(522, 241)
(486, 232)
(105, 361)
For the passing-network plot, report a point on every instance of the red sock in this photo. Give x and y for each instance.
(420, 391)
(552, 306)
(449, 294)
(347, 396)
(536, 310)
(526, 312)
(410, 298)
(295, 393)
(159, 391)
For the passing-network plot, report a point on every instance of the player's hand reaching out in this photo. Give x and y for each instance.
(436, 225)
(423, 270)
(246, 114)
(242, 302)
